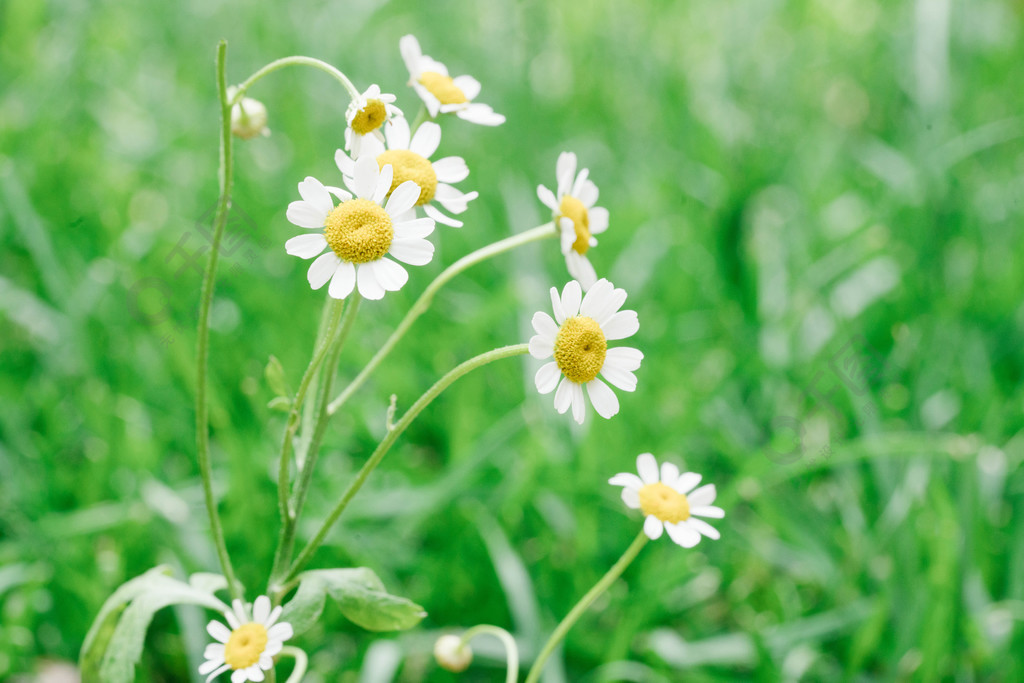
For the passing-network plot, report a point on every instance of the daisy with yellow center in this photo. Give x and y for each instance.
(442, 93)
(246, 646)
(360, 232)
(366, 116)
(669, 502)
(577, 340)
(572, 207)
(409, 156)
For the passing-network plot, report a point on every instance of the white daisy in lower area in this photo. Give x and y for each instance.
(360, 232)
(572, 206)
(669, 501)
(366, 115)
(246, 646)
(409, 156)
(578, 339)
(442, 93)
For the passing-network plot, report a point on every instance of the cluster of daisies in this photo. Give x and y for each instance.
(360, 237)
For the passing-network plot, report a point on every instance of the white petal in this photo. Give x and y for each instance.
(366, 281)
(579, 404)
(567, 234)
(621, 379)
(572, 295)
(266, 661)
(364, 182)
(433, 104)
(306, 246)
(239, 610)
(705, 495)
(563, 395)
(344, 164)
(598, 220)
(272, 648)
(387, 174)
(624, 358)
(577, 187)
(686, 482)
(233, 621)
(451, 169)
(314, 193)
(621, 325)
(282, 631)
(305, 215)
(414, 251)
(411, 53)
(207, 667)
(627, 479)
(391, 276)
(481, 114)
(272, 617)
(397, 133)
(556, 305)
(469, 86)
(218, 672)
(261, 609)
(631, 497)
(647, 468)
(711, 511)
(565, 170)
(239, 676)
(683, 534)
(413, 228)
(322, 269)
(606, 403)
(218, 631)
(436, 214)
(341, 194)
(579, 268)
(544, 325)
(669, 473)
(541, 347)
(214, 651)
(254, 673)
(700, 526)
(546, 378)
(587, 194)
(373, 145)
(605, 302)
(426, 139)
(653, 527)
(343, 281)
(547, 198)
(403, 198)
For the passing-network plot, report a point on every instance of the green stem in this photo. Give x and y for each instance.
(511, 651)
(295, 61)
(394, 431)
(586, 601)
(301, 662)
(203, 333)
(426, 298)
(298, 498)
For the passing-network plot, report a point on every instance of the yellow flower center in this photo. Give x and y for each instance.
(359, 230)
(664, 502)
(410, 166)
(443, 88)
(573, 209)
(580, 348)
(245, 646)
(370, 118)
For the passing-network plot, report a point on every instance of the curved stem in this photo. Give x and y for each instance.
(511, 651)
(203, 333)
(295, 61)
(301, 662)
(586, 601)
(423, 303)
(394, 431)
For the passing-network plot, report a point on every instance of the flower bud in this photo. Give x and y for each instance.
(248, 117)
(452, 654)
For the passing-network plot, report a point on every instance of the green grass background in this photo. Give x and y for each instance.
(782, 177)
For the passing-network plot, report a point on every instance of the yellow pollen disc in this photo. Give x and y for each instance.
(245, 646)
(370, 118)
(580, 348)
(359, 230)
(573, 209)
(664, 502)
(410, 166)
(443, 88)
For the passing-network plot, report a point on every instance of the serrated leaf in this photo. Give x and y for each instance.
(360, 596)
(274, 373)
(281, 404)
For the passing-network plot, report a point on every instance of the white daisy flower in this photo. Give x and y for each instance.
(578, 338)
(360, 232)
(441, 93)
(578, 219)
(248, 647)
(409, 156)
(248, 117)
(669, 503)
(366, 116)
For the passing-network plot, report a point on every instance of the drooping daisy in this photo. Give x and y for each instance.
(577, 217)
(410, 159)
(441, 93)
(669, 503)
(360, 232)
(248, 117)
(578, 339)
(366, 116)
(248, 647)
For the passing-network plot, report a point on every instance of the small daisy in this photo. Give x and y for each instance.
(249, 646)
(670, 503)
(440, 92)
(360, 232)
(366, 116)
(578, 338)
(577, 217)
(409, 156)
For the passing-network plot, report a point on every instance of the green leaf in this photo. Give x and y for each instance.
(114, 642)
(360, 596)
(281, 404)
(276, 377)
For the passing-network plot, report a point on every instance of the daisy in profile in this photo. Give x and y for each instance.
(366, 116)
(360, 233)
(441, 93)
(572, 206)
(409, 157)
(577, 338)
(669, 502)
(246, 647)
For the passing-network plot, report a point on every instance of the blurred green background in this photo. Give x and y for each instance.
(787, 181)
